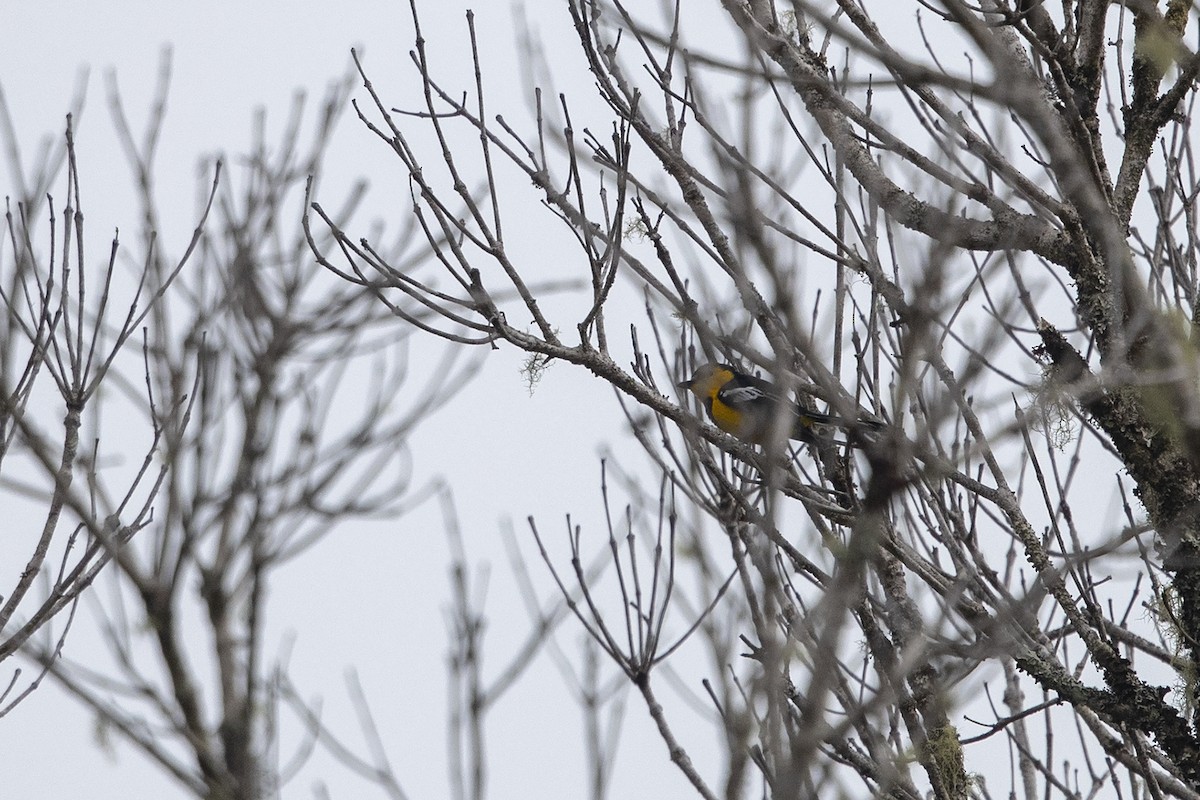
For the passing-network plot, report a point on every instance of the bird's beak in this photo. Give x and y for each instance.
(684, 385)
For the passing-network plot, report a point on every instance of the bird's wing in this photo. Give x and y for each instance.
(743, 395)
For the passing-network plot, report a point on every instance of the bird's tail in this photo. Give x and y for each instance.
(812, 424)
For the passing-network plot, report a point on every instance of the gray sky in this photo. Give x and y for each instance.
(370, 598)
(373, 597)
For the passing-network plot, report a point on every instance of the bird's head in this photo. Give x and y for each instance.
(707, 379)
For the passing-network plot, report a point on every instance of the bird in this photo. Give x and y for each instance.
(746, 406)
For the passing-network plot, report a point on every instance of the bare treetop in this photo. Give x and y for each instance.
(974, 222)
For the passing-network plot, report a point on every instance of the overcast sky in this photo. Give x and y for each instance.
(372, 598)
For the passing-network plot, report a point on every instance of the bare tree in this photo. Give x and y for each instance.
(69, 328)
(276, 402)
(976, 223)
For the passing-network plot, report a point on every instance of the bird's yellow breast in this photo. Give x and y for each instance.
(732, 421)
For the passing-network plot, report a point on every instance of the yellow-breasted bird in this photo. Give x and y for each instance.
(746, 406)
